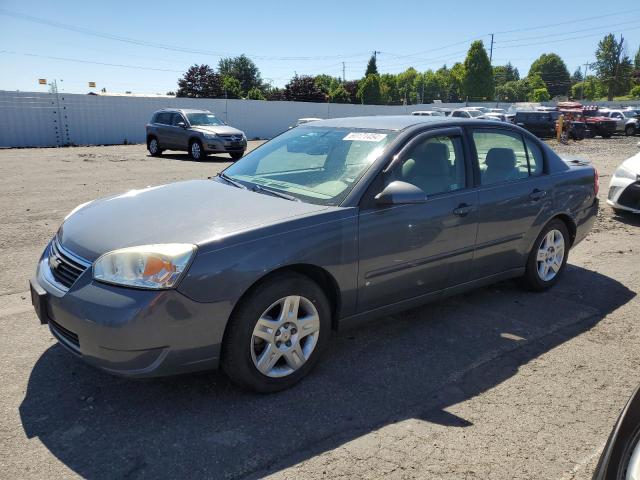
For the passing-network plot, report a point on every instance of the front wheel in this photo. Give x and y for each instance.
(548, 257)
(607, 135)
(277, 333)
(196, 151)
(236, 155)
(154, 147)
(630, 130)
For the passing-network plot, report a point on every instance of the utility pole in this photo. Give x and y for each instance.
(375, 55)
(491, 50)
(344, 78)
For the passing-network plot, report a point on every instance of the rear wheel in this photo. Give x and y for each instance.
(548, 257)
(607, 135)
(154, 147)
(277, 333)
(195, 150)
(630, 130)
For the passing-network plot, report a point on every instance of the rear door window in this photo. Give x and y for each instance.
(501, 156)
(164, 118)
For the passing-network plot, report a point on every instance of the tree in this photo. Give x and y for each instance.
(242, 69)
(255, 94)
(389, 94)
(231, 87)
(369, 90)
(636, 62)
(505, 73)
(609, 59)
(456, 82)
(478, 76)
(540, 95)
(303, 89)
(200, 81)
(588, 89)
(407, 85)
(326, 83)
(351, 86)
(339, 94)
(553, 72)
(274, 94)
(635, 92)
(577, 76)
(372, 67)
(513, 91)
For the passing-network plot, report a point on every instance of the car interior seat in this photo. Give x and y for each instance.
(429, 168)
(501, 165)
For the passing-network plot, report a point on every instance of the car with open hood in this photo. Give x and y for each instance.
(330, 223)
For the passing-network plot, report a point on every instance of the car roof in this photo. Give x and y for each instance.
(183, 110)
(380, 122)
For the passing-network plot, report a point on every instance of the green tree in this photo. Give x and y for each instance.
(456, 83)
(274, 94)
(200, 81)
(513, 91)
(553, 72)
(339, 94)
(255, 94)
(303, 89)
(609, 60)
(505, 73)
(372, 67)
(540, 95)
(478, 77)
(231, 87)
(588, 89)
(407, 85)
(242, 69)
(369, 90)
(577, 76)
(389, 94)
(636, 62)
(635, 92)
(326, 83)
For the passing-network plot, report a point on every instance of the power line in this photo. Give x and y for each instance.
(615, 25)
(563, 39)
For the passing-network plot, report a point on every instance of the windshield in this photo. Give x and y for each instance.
(314, 164)
(203, 119)
(475, 113)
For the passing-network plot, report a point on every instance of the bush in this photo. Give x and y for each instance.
(635, 92)
(540, 95)
(255, 94)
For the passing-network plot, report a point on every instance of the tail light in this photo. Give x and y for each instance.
(596, 181)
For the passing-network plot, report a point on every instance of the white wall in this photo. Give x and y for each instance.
(41, 119)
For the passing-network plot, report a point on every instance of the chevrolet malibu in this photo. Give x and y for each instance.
(329, 223)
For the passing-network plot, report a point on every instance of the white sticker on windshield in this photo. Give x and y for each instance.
(365, 137)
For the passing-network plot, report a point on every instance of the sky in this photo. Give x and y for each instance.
(144, 47)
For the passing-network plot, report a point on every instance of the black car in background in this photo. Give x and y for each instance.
(541, 124)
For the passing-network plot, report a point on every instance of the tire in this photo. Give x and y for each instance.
(154, 147)
(236, 155)
(196, 151)
(630, 130)
(607, 135)
(246, 345)
(536, 278)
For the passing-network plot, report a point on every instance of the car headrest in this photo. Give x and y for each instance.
(429, 159)
(501, 159)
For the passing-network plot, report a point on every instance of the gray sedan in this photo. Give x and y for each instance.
(330, 223)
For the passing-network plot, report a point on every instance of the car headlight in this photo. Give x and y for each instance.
(210, 136)
(146, 266)
(622, 172)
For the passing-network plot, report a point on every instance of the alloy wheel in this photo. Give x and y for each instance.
(153, 146)
(195, 150)
(550, 255)
(285, 336)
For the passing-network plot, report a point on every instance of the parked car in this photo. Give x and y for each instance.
(540, 123)
(446, 111)
(428, 113)
(329, 223)
(302, 121)
(597, 122)
(501, 111)
(620, 459)
(198, 132)
(499, 117)
(627, 121)
(624, 186)
(466, 113)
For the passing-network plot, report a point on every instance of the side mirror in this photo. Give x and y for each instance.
(182, 125)
(400, 193)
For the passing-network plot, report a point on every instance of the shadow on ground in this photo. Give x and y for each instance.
(222, 158)
(631, 219)
(411, 365)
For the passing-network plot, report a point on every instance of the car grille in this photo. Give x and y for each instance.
(65, 267)
(630, 197)
(231, 138)
(65, 335)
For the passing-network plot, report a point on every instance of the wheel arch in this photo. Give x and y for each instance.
(150, 136)
(569, 223)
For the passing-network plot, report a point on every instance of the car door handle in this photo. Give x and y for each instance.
(463, 210)
(537, 194)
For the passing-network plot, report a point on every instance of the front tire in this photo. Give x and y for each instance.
(236, 155)
(630, 130)
(196, 151)
(548, 257)
(277, 333)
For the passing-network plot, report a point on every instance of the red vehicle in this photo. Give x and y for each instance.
(597, 123)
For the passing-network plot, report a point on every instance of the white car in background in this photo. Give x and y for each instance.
(624, 187)
(467, 113)
(428, 113)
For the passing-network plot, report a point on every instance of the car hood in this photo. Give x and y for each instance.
(217, 129)
(632, 164)
(196, 212)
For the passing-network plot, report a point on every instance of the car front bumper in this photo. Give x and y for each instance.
(624, 194)
(126, 331)
(224, 146)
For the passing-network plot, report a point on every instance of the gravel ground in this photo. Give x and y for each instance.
(498, 383)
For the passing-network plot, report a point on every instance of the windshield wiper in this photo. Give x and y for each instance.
(228, 179)
(260, 188)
